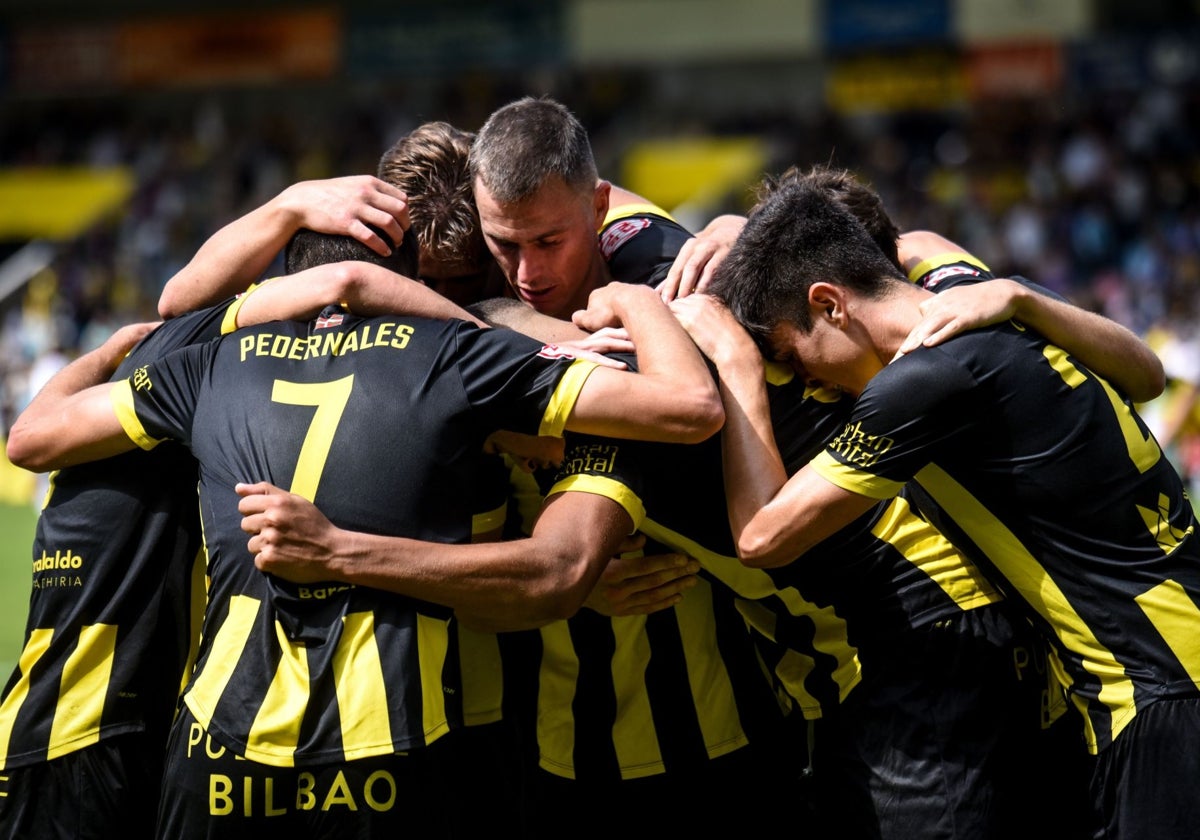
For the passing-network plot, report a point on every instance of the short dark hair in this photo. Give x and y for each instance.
(851, 193)
(430, 165)
(796, 236)
(308, 249)
(525, 142)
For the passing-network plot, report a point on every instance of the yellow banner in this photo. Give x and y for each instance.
(692, 171)
(896, 83)
(60, 202)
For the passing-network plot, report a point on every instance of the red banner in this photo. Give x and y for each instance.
(231, 48)
(1007, 71)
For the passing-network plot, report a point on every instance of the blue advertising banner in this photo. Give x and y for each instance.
(855, 24)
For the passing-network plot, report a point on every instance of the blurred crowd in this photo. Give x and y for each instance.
(1096, 198)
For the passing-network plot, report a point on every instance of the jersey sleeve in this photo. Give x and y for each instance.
(604, 467)
(640, 243)
(174, 333)
(932, 273)
(904, 415)
(517, 382)
(157, 402)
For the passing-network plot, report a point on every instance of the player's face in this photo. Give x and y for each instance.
(546, 244)
(825, 356)
(528, 452)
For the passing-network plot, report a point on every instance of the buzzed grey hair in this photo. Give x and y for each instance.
(527, 141)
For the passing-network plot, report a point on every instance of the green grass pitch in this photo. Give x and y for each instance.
(17, 526)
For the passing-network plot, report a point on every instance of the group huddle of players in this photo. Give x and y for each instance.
(661, 532)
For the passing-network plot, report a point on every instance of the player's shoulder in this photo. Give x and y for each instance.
(629, 222)
(950, 268)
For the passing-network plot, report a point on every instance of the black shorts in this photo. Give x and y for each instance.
(756, 790)
(944, 739)
(109, 789)
(1147, 782)
(208, 792)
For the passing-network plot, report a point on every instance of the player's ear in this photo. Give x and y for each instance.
(600, 201)
(827, 301)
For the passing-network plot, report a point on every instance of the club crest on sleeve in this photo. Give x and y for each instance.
(619, 233)
(553, 351)
(935, 277)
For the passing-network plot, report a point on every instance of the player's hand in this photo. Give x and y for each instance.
(117, 346)
(347, 205)
(693, 268)
(962, 308)
(607, 340)
(606, 304)
(289, 536)
(714, 329)
(640, 585)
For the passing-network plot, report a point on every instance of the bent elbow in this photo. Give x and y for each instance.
(562, 605)
(168, 305)
(572, 585)
(704, 419)
(24, 453)
(759, 551)
(1153, 386)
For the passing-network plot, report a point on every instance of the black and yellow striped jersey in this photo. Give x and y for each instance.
(889, 570)
(379, 422)
(110, 622)
(1052, 481)
(635, 696)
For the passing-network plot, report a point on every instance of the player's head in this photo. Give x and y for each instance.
(850, 193)
(308, 249)
(540, 202)
(430, 165)
(796, 244)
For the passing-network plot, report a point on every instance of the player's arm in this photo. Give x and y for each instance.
(492, 586)
(71, 420)
(238, 254)
(916, 246)
(1106, 347)
(672, 398)
(774, 519)
(366, 289)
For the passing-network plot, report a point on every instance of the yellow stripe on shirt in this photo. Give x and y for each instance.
(565, 395)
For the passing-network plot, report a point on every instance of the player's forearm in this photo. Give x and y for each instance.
(1104, 346)
(508, 585)
(231, 259)
(672, 363)
(61, 428)
(753, 469)
(59, 417)
(369, 290)
(365, 288)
